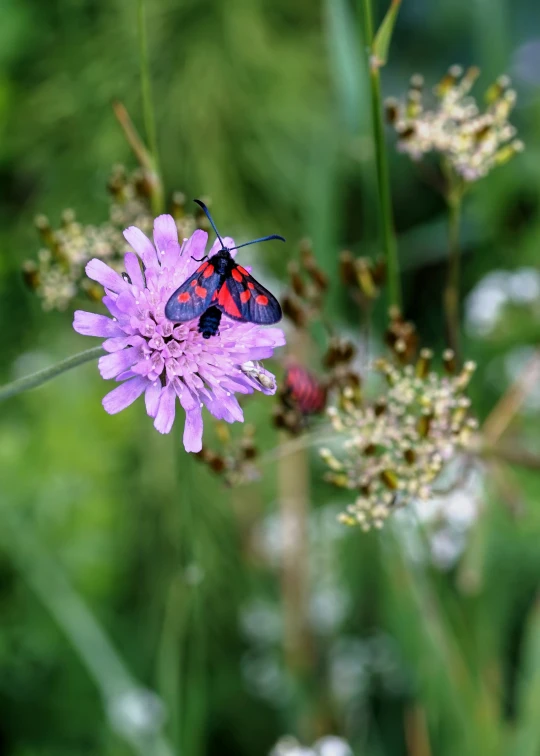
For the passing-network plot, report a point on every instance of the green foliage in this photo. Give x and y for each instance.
(124, 564)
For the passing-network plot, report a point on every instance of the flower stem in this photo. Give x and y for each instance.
(451, 294)
(47, 374)
(383, 181)
(148, 111)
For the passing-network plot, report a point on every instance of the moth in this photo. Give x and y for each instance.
(219, 287)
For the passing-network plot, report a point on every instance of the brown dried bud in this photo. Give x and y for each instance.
(294, 310)
(339, 351)
(30, 273)
(401, 337)
(347, 268)
(318, 276)
(297, 283)
(391, 110)
(378, 271)
(449, 361)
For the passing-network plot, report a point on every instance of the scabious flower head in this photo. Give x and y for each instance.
(390, 451)
(472, 141)
(166, 361)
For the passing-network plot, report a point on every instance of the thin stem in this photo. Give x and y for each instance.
(47, 374)
(381, 159)
(132, 136)
(451, 294)
(512, 400)
(148, 110)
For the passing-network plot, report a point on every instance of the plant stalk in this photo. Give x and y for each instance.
(42, 376)
(383, 179)
(451, 294)
(148, 112)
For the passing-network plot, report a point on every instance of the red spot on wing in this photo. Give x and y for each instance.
(215, 296)
(242, 270)
(250, 285)
(194, 283)
(227, 302)
(209, 270)
(262, 300)
(244, 296)
(236, 274)
(185, 296)
(200, 291)
(203, 267)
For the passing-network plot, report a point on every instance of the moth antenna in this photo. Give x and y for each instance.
(262, 239)
(207, 213)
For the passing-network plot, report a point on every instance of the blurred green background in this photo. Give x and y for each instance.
(140, 602)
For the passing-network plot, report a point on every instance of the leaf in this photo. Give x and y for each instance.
(527, 730)
(382, 40)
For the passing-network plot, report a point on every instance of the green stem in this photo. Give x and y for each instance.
(451, 294)
(381, 159)
(148, 111)
(47, 374)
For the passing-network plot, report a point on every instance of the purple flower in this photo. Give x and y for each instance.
(150, 355)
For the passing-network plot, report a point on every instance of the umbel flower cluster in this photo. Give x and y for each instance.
(472, 141)
(58, 277)
(390, 451)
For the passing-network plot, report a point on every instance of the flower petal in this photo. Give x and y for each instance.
(227, 244)
(273, 336)
(116, 343)
(142, 246)
(124, 395)
(90, 324)
(166, 237)
(166, 410)
(133, 269)
(193, 430)
(112, 364)
(187, 400)
(225, 408)
(152, 397)
(107, 277)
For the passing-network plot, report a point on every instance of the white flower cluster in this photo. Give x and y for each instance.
(472, 141)
(390, 451)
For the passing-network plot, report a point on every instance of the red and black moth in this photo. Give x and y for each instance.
(220, 286)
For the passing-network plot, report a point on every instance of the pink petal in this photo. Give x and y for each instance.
(90, 324)
(187, 400)
(142, 246)
(225, 408)
(107, 277)
(196, 244)
(166, 410)
(193, 430)
(152, 396)
(261, 353)
(273, 336)
(227, 243)
(116, 343)
(133, 269)
(112, 364)
(165, 232)
(124, 395)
